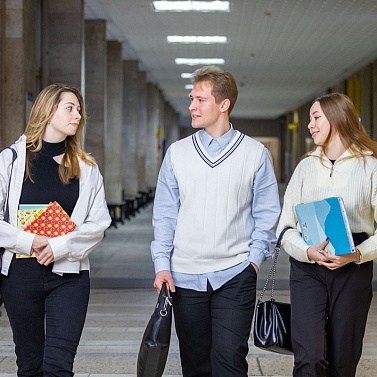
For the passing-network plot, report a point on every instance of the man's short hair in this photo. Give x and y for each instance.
(224, 84)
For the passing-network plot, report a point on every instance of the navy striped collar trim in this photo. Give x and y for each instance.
(223, 155)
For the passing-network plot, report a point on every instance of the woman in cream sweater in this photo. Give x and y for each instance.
(331, 295)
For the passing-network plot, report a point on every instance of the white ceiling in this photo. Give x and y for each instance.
(299, 50)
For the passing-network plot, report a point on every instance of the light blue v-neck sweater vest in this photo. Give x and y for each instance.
(215, 222)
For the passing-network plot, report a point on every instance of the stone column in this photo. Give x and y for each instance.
(152, 152)
(95, 89)
(114, 136)
(374, 101)
(63, 42)
(171, 126)
(175, 131)
(167, 127)
(130, 126)
(18, 80)
(161, 127)
(142, 130)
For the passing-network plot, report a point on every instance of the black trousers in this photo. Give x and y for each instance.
(213, 327)
(47, 313)
(329, 315)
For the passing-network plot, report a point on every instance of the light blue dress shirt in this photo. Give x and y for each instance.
(265, 211)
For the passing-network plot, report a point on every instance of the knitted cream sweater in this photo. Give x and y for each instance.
(353, 178)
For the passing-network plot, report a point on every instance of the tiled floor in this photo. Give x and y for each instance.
(118, 314)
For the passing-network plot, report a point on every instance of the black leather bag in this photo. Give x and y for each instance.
(272, 321)
(154, 347)
(6, 212)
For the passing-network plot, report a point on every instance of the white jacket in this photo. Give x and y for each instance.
(353, 178)
(90, 215)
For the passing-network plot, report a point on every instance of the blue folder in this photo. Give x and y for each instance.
(326, 218)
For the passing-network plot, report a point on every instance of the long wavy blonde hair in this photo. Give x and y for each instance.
(41, 113)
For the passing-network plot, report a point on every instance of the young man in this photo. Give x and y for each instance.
(215, 211)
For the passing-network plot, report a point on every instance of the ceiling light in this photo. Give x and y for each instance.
(186, 75)
(198, 61)
(196, 39)
(189, 86)
(189, 6)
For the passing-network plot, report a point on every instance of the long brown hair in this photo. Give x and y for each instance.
(344, 120)
(41, 113)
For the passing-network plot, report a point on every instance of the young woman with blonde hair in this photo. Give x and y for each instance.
(46, 295)
(331, 295)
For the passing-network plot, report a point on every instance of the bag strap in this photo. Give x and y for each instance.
(167, 300)
(6, 204)
(272, 272)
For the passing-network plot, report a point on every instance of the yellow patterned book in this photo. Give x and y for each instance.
(26, 214)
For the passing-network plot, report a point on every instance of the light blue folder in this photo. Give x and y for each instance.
(326, 218)
(32, 206)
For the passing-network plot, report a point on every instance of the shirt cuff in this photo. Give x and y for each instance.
(59, 247)
(257, 257)
(25, 242)
(161, 264)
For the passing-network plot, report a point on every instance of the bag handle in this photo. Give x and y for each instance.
(168, 300)
(272, 272)
(6, 204)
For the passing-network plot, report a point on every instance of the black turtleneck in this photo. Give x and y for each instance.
(47, 186)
